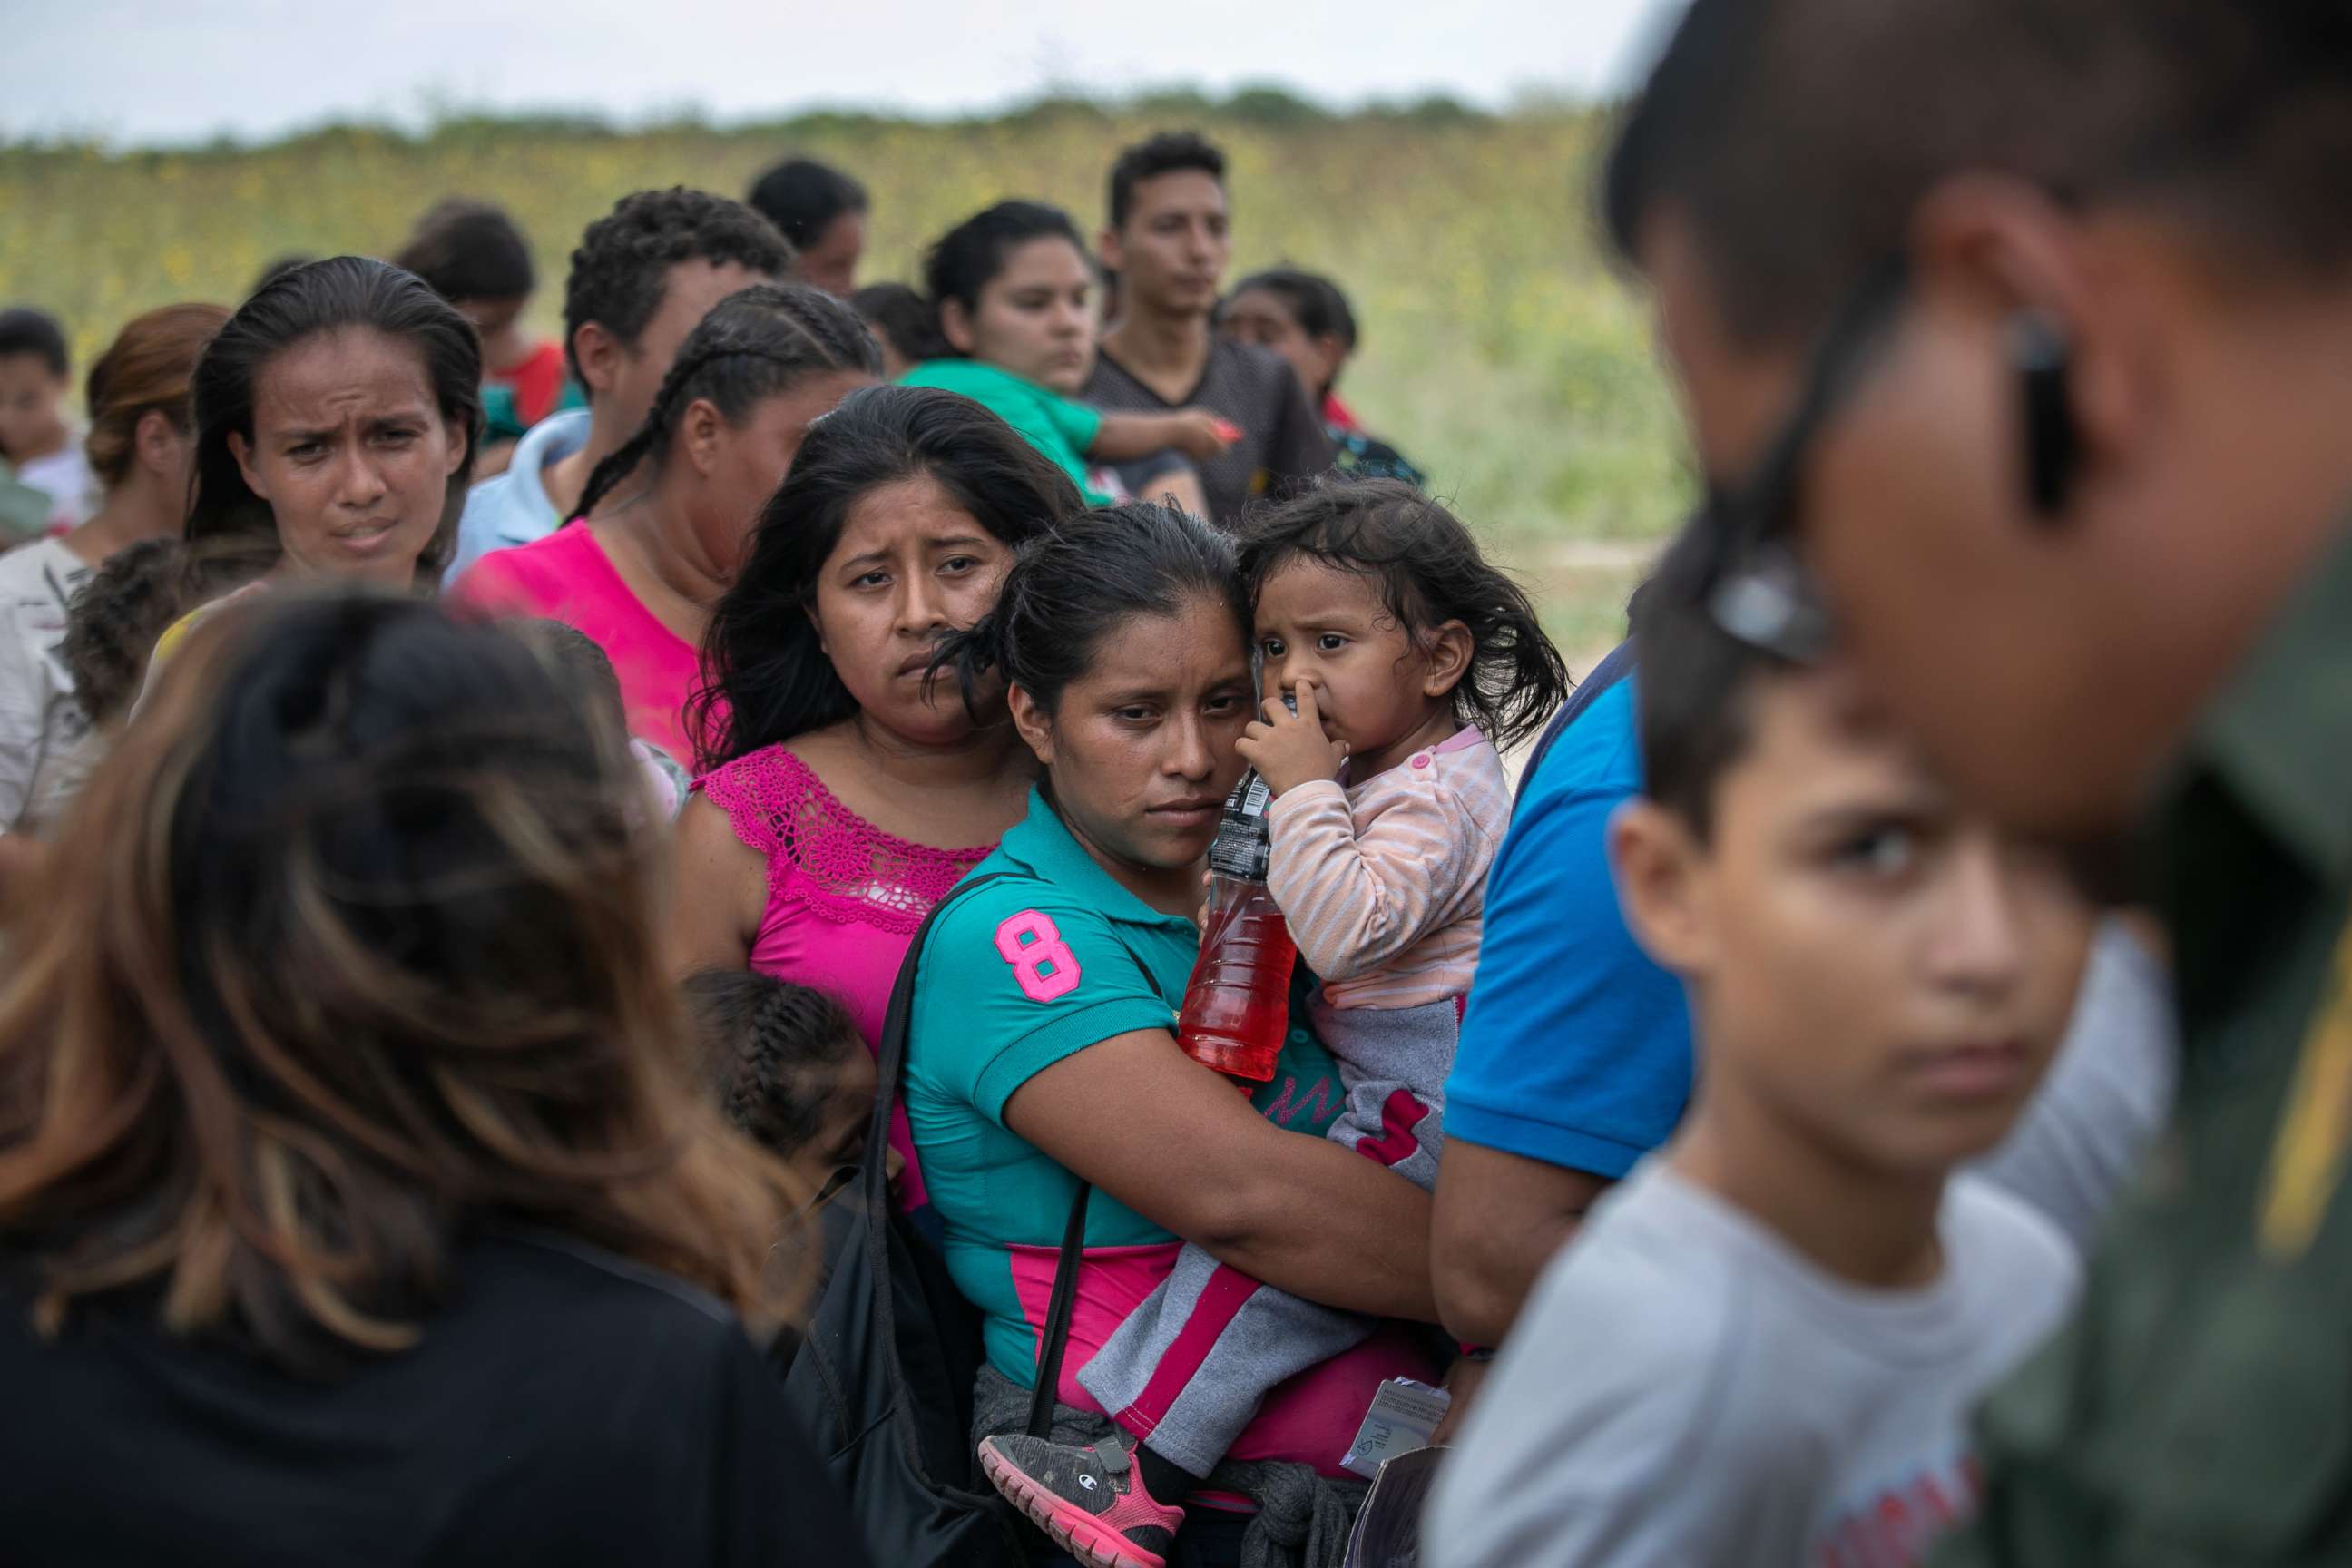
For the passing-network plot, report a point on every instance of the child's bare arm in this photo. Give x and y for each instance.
(1194, 432)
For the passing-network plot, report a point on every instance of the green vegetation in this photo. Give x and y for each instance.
(1499, 349)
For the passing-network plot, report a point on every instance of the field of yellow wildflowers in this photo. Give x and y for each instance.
(1498, 350)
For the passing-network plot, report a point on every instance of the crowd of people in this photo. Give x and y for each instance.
(592, 933)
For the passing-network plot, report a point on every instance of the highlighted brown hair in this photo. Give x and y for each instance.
(356, 958)
(146, 370)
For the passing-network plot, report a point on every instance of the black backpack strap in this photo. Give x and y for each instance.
(1043, 1398)
(889, 1067)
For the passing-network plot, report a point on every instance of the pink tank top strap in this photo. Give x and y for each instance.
(825, 856)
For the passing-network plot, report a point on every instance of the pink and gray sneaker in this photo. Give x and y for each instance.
(1092, 1501)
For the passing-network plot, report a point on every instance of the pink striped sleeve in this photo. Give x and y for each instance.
(1359, 887)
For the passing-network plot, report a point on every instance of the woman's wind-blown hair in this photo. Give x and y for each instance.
(352, 956)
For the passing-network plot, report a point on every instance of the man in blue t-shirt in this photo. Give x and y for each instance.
(1575, 1057)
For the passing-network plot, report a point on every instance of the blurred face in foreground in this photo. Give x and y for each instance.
(1872, 971)
(2049, 661)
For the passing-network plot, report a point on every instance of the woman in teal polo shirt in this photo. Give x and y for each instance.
(1041, 1050)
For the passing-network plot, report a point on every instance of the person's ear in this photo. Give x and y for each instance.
(818, 622)
(1035, 725)
(460, 442)
(1663, 886)
(239, 448)
(1446, 658)
(1330, 352)
(701, 432)
(156, 444)
(1111, 250)
(2079, 357)
(600, 355)
(955, 325)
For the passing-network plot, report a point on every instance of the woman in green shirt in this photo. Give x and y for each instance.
(1040, 1050)
(1014, 293)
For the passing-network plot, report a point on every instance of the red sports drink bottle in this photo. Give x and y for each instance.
(1237, 1004)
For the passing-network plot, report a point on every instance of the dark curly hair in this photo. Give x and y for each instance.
(1428, 572)
(114, 618)
(772, 1049)
(1169, 152)
(755, 344)
(620, 272)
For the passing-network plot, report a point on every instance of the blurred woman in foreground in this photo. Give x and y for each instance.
(356, 1200)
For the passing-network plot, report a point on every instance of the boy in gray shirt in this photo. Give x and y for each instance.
(1762, 1347)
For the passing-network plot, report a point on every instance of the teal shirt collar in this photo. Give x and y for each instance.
(1041, 846)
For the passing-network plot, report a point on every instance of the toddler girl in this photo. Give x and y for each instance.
(1411, 660)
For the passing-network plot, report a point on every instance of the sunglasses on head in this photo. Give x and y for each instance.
(1755, 584)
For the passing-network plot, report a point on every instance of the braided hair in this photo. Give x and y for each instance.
(771, 1050)
(755, 344)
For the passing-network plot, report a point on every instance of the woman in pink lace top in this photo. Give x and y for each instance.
(846, 791)
(639, 574)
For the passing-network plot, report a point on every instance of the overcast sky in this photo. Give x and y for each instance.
(146, 71)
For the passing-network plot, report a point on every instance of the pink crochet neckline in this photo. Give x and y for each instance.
(825, 857)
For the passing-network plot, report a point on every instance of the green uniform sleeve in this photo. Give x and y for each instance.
(1014, 978)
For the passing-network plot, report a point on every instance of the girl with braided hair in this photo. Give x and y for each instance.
(787, 1066)
(679, 499)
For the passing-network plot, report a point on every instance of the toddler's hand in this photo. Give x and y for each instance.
(1201, 435)
(1290, 749)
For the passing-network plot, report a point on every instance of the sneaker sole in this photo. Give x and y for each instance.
(1072, 1527)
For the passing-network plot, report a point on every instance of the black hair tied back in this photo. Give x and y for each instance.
(1073, 587)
